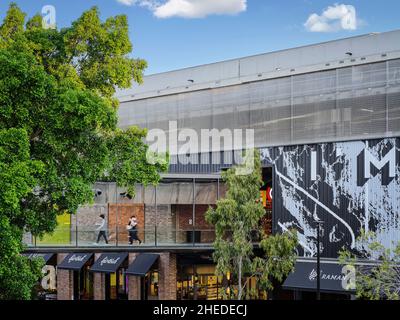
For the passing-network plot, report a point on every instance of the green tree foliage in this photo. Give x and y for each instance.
(13, 24)
(278, 260)
(18, 175)
(58, 128)
(237, 226)
(381, 279)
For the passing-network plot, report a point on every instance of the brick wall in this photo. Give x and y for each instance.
(87, 217)
(99, 292)
(124, 212)
(167, 276)
(168, 226)
(64, 281)
(165, 221)
(184, 214)
(133, 282)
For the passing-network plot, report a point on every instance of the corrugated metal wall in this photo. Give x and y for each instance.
(334, 188)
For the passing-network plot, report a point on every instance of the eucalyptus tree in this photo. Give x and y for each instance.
(238, 229)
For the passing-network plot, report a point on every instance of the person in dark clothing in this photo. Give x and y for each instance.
(132, 229)
(102, 229)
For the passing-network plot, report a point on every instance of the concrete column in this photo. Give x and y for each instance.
(134, 284)
(167, 276)
(65, 281)
(99, 291)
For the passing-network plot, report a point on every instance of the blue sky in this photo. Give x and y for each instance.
(172, 34)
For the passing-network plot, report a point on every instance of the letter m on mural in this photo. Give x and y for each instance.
(372, 161)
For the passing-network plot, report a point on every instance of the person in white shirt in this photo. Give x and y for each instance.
(102, 229)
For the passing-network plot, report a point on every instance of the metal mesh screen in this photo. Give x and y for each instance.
(353, 102)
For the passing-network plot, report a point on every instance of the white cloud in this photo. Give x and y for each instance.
(126, 2)
(190, 8)
(199, 8)
(150, 4)
(334, 18)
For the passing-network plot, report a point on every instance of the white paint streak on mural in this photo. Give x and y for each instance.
(301, 239)
(347, 198)
(353, 238)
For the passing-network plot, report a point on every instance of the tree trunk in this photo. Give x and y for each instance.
(240, 279)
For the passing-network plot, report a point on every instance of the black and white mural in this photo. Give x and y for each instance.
(350, 186)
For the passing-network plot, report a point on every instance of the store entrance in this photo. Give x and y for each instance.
(113, 267)
(199, 282)
(149, 285)
(116, 285)
(83, 284)
(266, 198)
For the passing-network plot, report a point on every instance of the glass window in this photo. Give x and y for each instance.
(87, 219)
(206, 196)
(61, 235)
(174, 199)
(150, 215)
(152, 282)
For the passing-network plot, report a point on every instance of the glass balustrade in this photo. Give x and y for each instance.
(171, 214)
(150, 236)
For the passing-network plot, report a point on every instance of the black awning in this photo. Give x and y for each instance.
(142, 264)
(75, 261)
(109, 262)
(49, 258)
(304, 277)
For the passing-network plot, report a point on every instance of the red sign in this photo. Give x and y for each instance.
(269, 194)
(266, 196)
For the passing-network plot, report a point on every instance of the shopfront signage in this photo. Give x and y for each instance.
(266, 196)
(75, 261)
(269, 194)
(77, 258)
(334, 277)
(47, 257)
(327, 276)
(107, 260)
(36, 255)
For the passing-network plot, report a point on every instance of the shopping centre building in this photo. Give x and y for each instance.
(326, 119)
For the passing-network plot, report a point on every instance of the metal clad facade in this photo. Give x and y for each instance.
(302, 60)
(315, 112)
(352, 186)
(346, 103)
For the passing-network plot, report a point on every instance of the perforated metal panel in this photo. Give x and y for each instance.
(394, 110)
(393, 95)
(335, 105)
